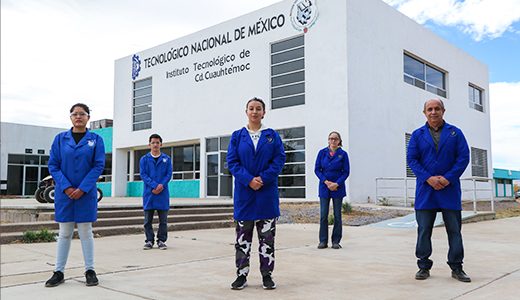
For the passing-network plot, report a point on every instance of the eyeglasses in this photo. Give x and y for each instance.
(155, 143)
(333, 139)
(78, 114)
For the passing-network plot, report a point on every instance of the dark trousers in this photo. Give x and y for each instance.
(337, 231)
(266, 230)
(162, 233)
(453, 223)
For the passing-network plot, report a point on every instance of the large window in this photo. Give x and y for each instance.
(288, 73)
(185, 160)
(142, 105)
(291, 182)
(475, 98)
(479, 162)
(424, 76)
(24, 171)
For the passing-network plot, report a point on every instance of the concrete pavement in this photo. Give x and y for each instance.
(375, 263)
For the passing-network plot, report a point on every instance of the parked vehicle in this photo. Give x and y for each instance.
(517, 194)
(45, 191)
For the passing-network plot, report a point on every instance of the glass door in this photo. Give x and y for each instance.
(219, 181)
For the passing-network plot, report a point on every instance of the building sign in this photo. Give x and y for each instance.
(303, 16)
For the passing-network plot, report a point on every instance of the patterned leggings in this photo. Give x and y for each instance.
(266, 231)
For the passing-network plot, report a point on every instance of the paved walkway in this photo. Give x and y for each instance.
(375, 263)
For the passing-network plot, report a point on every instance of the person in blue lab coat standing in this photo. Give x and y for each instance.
(438, 154)
(156, 171)
(255, 157)
(332, 168)
(76, 161)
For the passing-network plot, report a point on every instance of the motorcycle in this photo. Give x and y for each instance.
(45, 191)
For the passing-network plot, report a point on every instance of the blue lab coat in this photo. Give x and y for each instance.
(450, 161)
(155, 173)
(78, 166)
(245, 163)
(335, 169)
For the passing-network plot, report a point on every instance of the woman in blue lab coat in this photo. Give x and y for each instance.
(76, 161)
(332, 168)
(255, 158)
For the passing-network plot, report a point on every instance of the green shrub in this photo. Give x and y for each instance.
(346, 208)
(384, 202)
(43, 236)
(331, 220)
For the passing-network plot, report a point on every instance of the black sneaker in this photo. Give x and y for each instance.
(268, 283)
(55, 280)
(240, 283)
(91, 278)
(322, 245)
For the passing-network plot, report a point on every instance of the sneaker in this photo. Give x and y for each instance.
(322, 245)
(55, 280)
(91, 278)
(148, 245)
(336, 246)
(268, 283)
(161, 245)
(239, 283)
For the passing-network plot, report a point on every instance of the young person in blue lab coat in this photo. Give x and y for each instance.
(332, 168)
(156, 171)
(255, 157)
(76, 161)
(438, 154)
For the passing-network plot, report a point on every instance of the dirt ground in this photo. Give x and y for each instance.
(503, 209)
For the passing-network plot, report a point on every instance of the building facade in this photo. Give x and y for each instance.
(357, 67)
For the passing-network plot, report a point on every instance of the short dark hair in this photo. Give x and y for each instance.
(256, 99)
(155, 136)
(84, 106)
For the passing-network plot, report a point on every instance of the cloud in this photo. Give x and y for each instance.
(479, 18)
(505, 124)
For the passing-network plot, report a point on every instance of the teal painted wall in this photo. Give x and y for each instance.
(106, 135)
(106, 188)
(178, 189)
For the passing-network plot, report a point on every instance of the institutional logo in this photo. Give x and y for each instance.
(304, 14)
(136, 66)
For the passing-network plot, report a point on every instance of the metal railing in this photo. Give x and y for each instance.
(405, 186)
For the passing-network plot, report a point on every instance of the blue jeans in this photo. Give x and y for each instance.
(453, 223)
(162, 233)
(64, 241)
(337, 231)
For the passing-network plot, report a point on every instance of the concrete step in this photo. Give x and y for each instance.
(10, 237)
(125, 220)
(104, 222)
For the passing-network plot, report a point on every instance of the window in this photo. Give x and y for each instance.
(409, 172)
(142, 105)
(479, 162)
(424, 76)
(475, 98)
(288, 73)
(41, 151)
(27, 150)
(186, 162)
(291, 182)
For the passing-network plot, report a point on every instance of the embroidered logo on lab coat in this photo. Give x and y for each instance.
(269, 139)
(453, 134)
(339, 156)
(91, 143)
(164, 160)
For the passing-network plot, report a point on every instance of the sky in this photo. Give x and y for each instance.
(55, 53)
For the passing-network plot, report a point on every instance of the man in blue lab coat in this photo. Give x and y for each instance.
(438, 154)
(156, 171)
